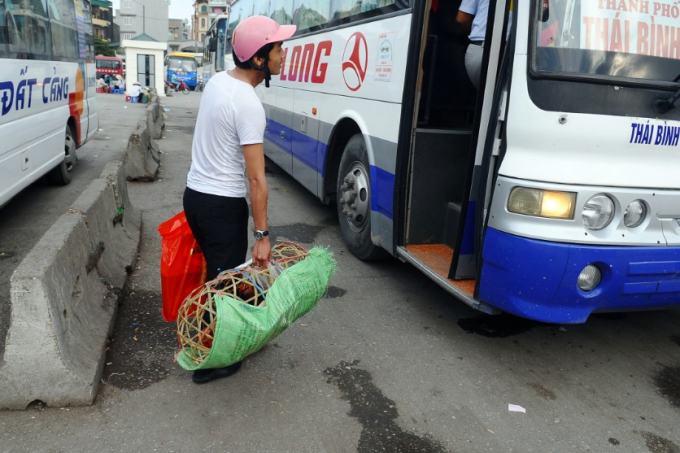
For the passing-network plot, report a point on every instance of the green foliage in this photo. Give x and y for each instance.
(102, 47)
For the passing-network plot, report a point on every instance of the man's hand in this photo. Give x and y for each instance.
(262, 252)
(254, 155)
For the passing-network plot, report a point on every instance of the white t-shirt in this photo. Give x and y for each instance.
(135, 90)
(230, 116)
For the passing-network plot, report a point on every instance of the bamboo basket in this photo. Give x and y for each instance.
(196, 318)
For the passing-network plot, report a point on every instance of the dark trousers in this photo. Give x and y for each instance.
(220, 226)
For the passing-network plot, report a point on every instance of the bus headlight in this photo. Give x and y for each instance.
(542, 203)
(598, 212)
(589, 278)
(635, 214)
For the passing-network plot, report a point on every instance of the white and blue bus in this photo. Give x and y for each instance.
(551, 193)
(48, 107)
(215, 57)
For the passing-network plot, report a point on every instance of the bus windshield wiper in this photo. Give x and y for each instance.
(665, 105)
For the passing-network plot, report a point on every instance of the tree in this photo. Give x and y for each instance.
(102, 47)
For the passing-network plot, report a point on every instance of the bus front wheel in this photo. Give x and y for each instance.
(353, 201)
(62, 174)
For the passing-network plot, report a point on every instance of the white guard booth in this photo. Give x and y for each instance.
(144, 57)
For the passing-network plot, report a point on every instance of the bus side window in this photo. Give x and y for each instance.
(280, 11)
(311, 14)
(261, 8)
(64, 30)
(4, 39)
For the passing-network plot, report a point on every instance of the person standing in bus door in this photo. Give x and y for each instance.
(472, 17)
(228, 143)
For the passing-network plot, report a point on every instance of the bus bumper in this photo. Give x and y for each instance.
(538, 279)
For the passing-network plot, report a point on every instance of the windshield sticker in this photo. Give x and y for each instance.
(654, 134)
(632, 26)
(384, 62)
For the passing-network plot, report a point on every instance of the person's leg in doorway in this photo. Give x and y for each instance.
(473, 62)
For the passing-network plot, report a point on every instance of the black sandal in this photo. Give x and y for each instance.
(205, 376)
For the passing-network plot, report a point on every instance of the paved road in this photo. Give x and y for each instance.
(387, 362)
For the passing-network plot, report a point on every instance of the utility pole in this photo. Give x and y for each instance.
(143, 19)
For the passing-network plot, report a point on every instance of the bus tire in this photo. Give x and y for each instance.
(353, 201)
(63, 173)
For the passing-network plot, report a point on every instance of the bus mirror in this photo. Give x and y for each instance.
(212, 45)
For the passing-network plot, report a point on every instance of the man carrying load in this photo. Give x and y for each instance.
(228, 142)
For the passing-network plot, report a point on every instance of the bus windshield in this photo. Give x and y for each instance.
(182, 64)
(627, 39)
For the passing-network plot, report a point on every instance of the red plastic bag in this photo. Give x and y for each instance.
(183, 266)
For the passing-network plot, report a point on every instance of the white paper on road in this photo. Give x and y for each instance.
(516, 408)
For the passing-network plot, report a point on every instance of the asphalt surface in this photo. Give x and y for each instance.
(387, 362)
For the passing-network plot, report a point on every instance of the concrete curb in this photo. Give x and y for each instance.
(155, 122)
(64, 301)
(142, 158)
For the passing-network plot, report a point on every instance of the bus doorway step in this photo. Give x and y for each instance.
(435, 260)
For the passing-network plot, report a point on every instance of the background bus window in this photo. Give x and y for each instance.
(64, 29)
(281, 12)
(311, 14)
(27, 28)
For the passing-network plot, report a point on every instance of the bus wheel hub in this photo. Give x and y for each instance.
(354, 197)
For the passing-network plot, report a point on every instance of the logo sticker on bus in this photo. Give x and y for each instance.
(355, 61)
(384, 60)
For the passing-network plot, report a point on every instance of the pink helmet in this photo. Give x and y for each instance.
(255, 32)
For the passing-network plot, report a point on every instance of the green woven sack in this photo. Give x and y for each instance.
(242, 329)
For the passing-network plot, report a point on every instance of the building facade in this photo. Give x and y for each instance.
(102, 19)
(137, 17)
(200, 20)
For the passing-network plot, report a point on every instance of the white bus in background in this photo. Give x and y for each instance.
(47, 90)
(215, 58)
(551, 193)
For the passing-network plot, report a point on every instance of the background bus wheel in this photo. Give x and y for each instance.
(354, 201)
(62, 175)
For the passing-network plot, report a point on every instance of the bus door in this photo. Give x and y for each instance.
(447, 150)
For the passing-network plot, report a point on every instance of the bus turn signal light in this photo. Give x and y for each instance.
(542, 203)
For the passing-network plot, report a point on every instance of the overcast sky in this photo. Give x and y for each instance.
(179, 9)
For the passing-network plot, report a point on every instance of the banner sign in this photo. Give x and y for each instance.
(632, 26)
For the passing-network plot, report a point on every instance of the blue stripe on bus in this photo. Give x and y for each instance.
(313, 154)
(382, 191)
(538, 279)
